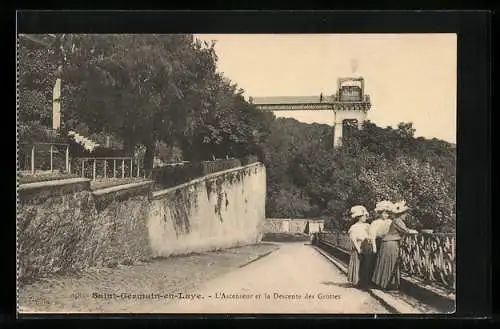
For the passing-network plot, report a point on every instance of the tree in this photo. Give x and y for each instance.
(427, 192)
(287, 203)
(405, 130)
(36, 77)
(145, 88)
(232, 127)
(372, 164)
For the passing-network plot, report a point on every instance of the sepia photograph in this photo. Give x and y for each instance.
(236, 173)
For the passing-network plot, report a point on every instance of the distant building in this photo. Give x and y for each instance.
(349, 105)
(291, 225)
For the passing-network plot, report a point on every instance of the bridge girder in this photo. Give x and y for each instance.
(337, 106)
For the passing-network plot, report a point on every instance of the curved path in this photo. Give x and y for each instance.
(293, 279)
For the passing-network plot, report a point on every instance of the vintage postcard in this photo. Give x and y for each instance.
(236, 173)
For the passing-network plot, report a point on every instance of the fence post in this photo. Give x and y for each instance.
(83, 168)
(105, 168)
(51, 160)
(123, 168)
(67, 160)
(33, 159)
(93, 170)
(137, 168)
(131, 166)
(114, 168)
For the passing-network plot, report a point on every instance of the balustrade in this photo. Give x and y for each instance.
(112, 167)
(44, 157)
(428, 257)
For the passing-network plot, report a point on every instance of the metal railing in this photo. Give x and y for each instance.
(429, 257)
(45, 157)
(108, 167)
(354, 99)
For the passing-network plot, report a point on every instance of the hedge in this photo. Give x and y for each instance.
(172, 175)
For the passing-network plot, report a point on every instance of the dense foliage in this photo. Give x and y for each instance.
(308, 178)
(36, 76)
(162, 95)
(147, 91)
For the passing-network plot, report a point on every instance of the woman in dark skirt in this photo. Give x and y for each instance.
(358, 272)
(379, 227)
(386, 274)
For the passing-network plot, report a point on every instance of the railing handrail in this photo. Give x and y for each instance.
(425, 255)
(424, 233)
(104, 158)
(163, 165)
(43, 143)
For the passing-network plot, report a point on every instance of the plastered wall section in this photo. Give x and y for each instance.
(63, 226)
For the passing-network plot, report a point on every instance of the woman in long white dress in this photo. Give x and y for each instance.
(358, 272)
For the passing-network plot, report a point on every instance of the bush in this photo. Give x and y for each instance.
(172, 175)
(169, 176)
(307, 178)
(430, 196)
(249, 159)
(209, 167)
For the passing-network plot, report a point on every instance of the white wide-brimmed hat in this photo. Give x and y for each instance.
(357, 211)
(400, 207)
(384, 206)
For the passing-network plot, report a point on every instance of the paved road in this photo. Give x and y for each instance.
(293, 279)
(286, 275)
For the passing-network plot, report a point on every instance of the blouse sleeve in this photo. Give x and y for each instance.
(351, 233)
(400, 226)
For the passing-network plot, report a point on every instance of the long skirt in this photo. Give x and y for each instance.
(378, 242)
(353, 269)
(373, 259)
(386, 273)
(360, 266)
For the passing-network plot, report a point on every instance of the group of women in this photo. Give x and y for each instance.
(375, 256)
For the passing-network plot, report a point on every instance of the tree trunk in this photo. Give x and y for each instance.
(129, 147)
(186, 150)
(148, 158)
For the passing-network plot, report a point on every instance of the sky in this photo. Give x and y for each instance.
(409, 77)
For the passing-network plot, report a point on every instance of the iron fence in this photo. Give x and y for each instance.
(44, 157)
(108, 167)
(429, 257)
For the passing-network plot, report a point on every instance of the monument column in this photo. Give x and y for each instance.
(337, 134)
(56, 105)
(56, 101)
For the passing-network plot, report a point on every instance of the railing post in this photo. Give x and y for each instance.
(114, 168)
(93, 170)
(51, 160)
(105, 168)
(137, 168)
(131, 166)
(123, 168)
(33, 159)
(67, 160)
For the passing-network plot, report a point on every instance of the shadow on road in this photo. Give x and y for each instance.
(338, 284)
